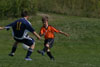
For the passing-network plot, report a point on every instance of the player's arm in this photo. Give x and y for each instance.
(41, 32)
(2, 28)
(36, 35)
(66, 34)
(7, 27)
(29, 27)
(55, 30)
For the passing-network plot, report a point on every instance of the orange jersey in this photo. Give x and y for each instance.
(49, 32)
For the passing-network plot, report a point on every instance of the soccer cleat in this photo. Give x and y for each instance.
(28, 59)
(11, 54)
(41, 52)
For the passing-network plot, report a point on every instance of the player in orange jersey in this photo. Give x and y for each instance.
(48, 32)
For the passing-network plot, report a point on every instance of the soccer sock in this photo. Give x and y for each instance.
(29, 53)
(13, 49)
(45, 49)
(50, 55)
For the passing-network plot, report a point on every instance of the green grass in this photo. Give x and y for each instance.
(81, 49)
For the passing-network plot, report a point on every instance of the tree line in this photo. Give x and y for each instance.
(13, 8)
(87, 8)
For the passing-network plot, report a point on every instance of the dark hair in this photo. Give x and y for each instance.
(45, 18)
(24, 13)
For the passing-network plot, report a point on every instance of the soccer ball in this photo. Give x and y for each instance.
(26, 47)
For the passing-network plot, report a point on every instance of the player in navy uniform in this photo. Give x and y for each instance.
(20, 29)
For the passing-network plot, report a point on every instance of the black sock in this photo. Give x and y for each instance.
(13, 49)
(29, 53)
(45, 49)
(50, 55)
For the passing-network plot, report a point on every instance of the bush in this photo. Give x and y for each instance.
(14, 7)
(86, 8)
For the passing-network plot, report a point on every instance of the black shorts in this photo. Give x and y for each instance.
(49, 41)
(28, 41)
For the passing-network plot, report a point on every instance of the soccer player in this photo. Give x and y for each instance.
(20, 29)
(48, 32)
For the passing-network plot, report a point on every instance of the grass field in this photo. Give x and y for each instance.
(81, 49)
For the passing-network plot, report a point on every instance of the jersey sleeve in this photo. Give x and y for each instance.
(41, 31)
(55, 30)
(29, 27)
(10, 25)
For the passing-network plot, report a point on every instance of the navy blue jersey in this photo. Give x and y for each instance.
(20, 28)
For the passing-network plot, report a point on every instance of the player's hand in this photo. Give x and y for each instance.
(1, 28)
(67, 34)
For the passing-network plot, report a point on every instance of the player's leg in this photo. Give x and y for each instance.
(47, 42)
(47, 45)
(29, 52)
(13, 49)
(44, 49)
(50, 45)
(31, 44)
(49, 52)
